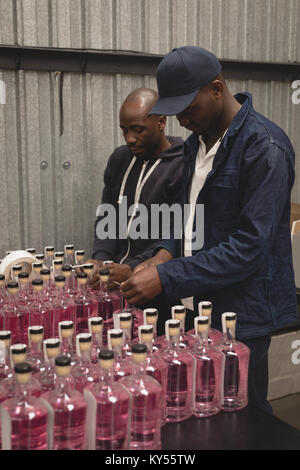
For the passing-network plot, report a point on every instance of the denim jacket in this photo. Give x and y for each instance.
(245, 264)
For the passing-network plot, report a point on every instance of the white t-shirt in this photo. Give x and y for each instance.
(203, 165)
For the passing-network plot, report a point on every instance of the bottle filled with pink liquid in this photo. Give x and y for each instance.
(147, 398)
(66, 409)
(23, 417)
(67, 340)
(109, 408)
(6, 370)
(63, 308)
(82, 371)
(16, 317)
(122, 365)
(41, 310)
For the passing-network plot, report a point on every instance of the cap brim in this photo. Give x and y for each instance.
(172, 105)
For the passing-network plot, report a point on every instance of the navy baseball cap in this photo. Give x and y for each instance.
(180, 75)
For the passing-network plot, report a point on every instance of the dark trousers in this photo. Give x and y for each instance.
(258, 372)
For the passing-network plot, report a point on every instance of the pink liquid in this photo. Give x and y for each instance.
(42, 318)
(179, 385)
(29, 424)
(112, 420)
(14, 322)
(83, 312)
(61, 313)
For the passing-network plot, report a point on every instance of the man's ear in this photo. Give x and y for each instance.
(162, 121)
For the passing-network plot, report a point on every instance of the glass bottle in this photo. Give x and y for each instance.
(125, 324)
(79, 257)
(36, 270)
(25, 415)
(181, 375)
(57, 265)
(35, 348)
(82, 371)
(70, 284)
(18, 354)
(108, 409)
(150, 318)
(24, 295)
(15, 271)
(214, 336)
(155, 366)
(5, 366)
(40, 309)
(105, 304)
(147, 396)
(235, 386)
(122, 367)
(16, 317)
(60, 256)
(69, 255)
(95, 329)
(67, 340)
(48, 284)
(67, 408)
(46, 377)
(209, 372)
(86, 304)
(49, 256)
(3, 299)
(63, 307)
(40, 257)
(185, 341)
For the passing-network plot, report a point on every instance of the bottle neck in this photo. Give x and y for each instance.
(36, 348)
(174, 342)
(85, 357)
(202, 339)
(97, 339)
(139, 370)
(117, 349)
(62, 383)
(66, 343)
(104, 286)
(12, 299)
(229, 335)
(106, 376)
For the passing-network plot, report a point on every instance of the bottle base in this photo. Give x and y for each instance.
(203, 412)
(233, 406)
(177, 416)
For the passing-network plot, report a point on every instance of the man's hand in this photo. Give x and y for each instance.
(161, 257)
(142, 286)
(118, 273)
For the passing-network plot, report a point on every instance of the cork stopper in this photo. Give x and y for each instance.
(5, 336)
(150, 316)
(23, 372)
(18, 353)
(30, 250)
(79, 256)
(67, 270)
(59, 255)
(2, 280)
(83, 342)
(45, 274)
(37, 285)
(49, 250)
(178, 312)
(82, 278)
(172, 328)
(95, 325)
(12, 287)
(125, 319)
(145, 333)
(60, 281)
(51, 347)
(228, 321)
(115, 337)
(40, 257)
(205, 308)
(69, 249)
(104, 275)
(62, 366)
(37, 267)
(139, 352)
(23, 278)
(106, 359)
(88, 268)
(36, 333)
(201, 324)
(17, 269)
(66, 329)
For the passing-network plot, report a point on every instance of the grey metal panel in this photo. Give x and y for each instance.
(266, 30)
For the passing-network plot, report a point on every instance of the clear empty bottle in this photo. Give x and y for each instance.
(67, 408)
(5, 366)
(122, 366)
(46, 378)
(108, 409)
(86, 304)
(95, 329)
(235, 386)
(24, 417)
(185, 341)
(35, 348)
(82, 371)
(16, 316)
(67, 340)
(155, 366)
(41, 310)
(49, 256)
(105, 304)
(147, 396)
(209, 372)
(63, 307)
(181, 375)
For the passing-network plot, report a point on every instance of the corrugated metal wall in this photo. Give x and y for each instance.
(56, 204)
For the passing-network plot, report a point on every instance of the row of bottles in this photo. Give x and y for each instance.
(127, 388)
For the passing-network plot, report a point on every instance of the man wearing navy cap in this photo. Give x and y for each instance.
(240, 166)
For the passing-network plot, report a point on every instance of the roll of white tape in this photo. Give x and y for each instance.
(15, 258)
